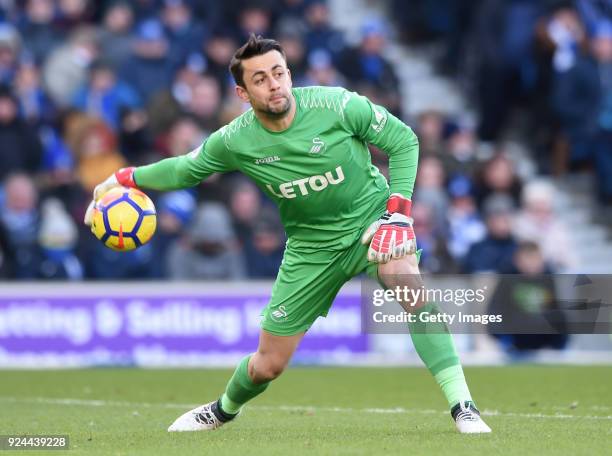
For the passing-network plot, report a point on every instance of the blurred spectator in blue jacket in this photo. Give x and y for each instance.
(465, 226)
(116, 33)
(35, 107)
(175, 211)
(507, 70)
(37, 27)
(57, 238)
(10, 48)
(20, 219)
(104, 96)
(263, 250)
(365, 65)
(321, 70)
(320, 33)
(185, 32)
(57, 177)
(149, 68)
(102, 263)
(602, 50)
(20, 149)
(575, 85)
(219, 49)
(495, 252)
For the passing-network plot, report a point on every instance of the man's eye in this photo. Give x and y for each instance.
(280, 74)
(258, 81)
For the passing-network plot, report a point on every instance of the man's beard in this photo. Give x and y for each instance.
(279, 113)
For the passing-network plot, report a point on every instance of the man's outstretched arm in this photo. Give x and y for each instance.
(171, 173)
(186, 170)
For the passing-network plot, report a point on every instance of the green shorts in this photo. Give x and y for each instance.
(307, 284)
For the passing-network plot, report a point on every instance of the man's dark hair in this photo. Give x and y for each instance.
(256, 45)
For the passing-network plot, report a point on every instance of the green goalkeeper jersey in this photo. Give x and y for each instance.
(318, 171)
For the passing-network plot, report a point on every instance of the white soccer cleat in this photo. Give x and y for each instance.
(467, 419)
(206, 417)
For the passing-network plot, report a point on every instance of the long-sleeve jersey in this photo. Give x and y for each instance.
(318, 171)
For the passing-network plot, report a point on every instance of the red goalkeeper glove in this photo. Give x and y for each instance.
(122, 178)
(391, 236)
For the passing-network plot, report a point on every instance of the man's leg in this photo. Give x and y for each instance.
(251, 378)
(433, 342)
(305, 288)
(255, 372)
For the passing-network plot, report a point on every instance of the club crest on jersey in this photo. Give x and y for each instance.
(318, 146)
(280, 314)
(307, 184)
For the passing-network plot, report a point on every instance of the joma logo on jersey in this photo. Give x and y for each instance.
(266, 160)
(307, 184)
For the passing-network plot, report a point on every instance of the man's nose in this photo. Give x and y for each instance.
(274, 84)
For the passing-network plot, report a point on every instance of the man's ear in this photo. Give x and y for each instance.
(242, 94)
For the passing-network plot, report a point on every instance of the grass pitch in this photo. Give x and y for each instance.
(335, 411)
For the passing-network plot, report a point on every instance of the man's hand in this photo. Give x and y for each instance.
(392, 235)
(122, 178)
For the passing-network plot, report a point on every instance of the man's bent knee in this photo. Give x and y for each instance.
(264, 368)
(403, 273)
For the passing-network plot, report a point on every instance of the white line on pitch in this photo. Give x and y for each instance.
(286, 408)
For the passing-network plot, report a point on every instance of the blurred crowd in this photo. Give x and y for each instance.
(87, 87)
(538, 73)
(544, 66)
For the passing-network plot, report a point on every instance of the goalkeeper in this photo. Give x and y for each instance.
(306, 148)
